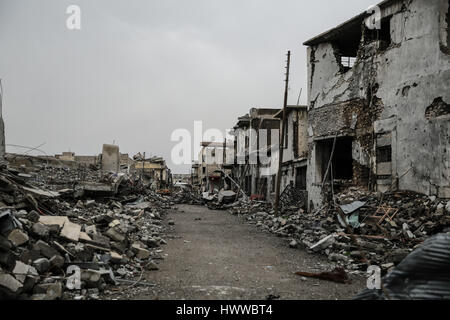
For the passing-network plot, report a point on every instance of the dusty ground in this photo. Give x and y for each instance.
(221, 257)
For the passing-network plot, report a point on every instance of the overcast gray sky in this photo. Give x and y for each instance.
(139, 69)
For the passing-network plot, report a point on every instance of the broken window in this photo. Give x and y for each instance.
(295, 142)
(382, 35)
(348, 62)
(300, 178)
(384, 155)
(346, 46)
(341, 163)
(438, 109)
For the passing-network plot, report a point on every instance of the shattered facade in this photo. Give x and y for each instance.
(295, 149)
(155, 170)
(255, 136)
(213, 158)
(379, 101)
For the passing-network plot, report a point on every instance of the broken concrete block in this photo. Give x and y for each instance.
(33, 216)
(41, 265)
(40, 230)
(53, 220)
(89, 203)
(84, 236)
(91, 230)
(92, 278)
(447, 207)
(52, 291)
(140, 252)
(71, 231)
(57, 262)
(18, 237)
(151, 266)
(114, 223)
(113, 234)
(440, 209)
(9, 282)
(45, 249)
(116, 258)
(336, 257)
(324, 243)
(22, 270)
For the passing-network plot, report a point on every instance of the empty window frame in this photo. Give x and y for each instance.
(383, 35)
(342, 161)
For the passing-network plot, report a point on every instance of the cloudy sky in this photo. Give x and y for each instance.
(139, 69)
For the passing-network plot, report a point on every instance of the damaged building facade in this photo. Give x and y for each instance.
(256, 135)
(154, 170)
(379, 102)
(295, 149)
(213, 166)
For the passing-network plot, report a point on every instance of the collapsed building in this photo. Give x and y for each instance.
(256, 135)
(379, 102)
(295, 149)
(154, 170)
(213, 167)
(195, 174)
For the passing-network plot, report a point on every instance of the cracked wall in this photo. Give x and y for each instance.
(402, 90)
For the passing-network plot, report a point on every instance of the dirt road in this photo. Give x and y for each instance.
(214, 255)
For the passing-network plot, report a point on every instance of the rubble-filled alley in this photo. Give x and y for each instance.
(215, 256)
(343, 195)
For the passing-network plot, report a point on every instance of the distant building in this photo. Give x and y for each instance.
(255, 166)
(295, 149)
(154, 170)
(213, 166)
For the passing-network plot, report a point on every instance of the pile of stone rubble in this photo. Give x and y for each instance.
(386, 227)
(66, 234)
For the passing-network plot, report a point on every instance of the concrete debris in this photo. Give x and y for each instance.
(388, 225)
(18, 237)
(107, 224)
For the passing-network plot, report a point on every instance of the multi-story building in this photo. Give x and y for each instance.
(255, 166)
(295, 149)
(379, 101)
(213, 166)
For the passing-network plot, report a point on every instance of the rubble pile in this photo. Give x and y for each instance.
(387, 227)
(187, 196)
(76, 239)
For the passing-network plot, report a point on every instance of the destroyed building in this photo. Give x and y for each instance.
(256, 133)
(66, 156)
(213, 165)
(194, 173)
(379, 99)
(295, 149)
(153, 169)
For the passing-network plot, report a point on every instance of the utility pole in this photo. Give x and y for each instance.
(283, 127)
(2, 126)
